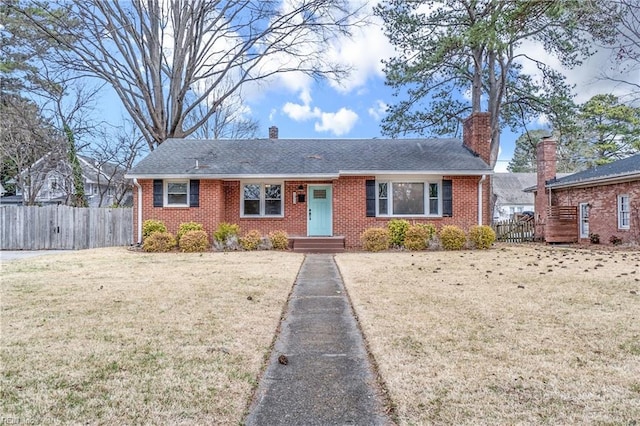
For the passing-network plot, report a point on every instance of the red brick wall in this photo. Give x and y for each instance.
(603, 213)
(209, 214)
(477, 134)
(546, 170)
(220, 201)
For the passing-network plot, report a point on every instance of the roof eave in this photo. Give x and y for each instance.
(307, 176)
(596, 181)
(416, 172)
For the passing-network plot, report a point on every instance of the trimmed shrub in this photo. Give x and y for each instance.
(279, 240)
(375, 239)
(482, 236)
(225, 231)
(251, 240)
(397, 231)
(430, 228)
(150, 226)
(452, 237)
(159, 242)
(416, 237)
(186, 227)
(195, 241)
(615, 240)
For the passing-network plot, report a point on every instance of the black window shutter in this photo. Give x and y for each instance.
(447, 198)
(371, 198)
(157, 193)
(194, 193)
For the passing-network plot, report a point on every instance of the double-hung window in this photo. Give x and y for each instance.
(408, 198)
(176, 193)
(624, 210)
(261, 199)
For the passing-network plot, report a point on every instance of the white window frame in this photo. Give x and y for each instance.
(262, 199)
(624, 211)
(426, 199)
(583, 219)
(166, 192)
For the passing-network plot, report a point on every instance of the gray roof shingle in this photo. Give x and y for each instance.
(627, 167)
(306, 158)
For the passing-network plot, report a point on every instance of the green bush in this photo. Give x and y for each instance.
(251, 240)
(150, 226)
(482, 236)
(452, 237)
(226, 230)
(194, 241)
(417, 237)
(397, 231)
(159, 242)
(375, 239)
(186, 227)
(279, 240)
(430, 228)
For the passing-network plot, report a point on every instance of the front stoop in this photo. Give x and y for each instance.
(317, 244)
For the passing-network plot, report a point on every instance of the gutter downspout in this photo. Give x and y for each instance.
(135, 182)
(482, 179)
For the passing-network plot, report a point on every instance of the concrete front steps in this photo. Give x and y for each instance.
(317, 244)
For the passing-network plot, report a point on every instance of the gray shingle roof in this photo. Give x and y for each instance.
(509, 187)
(627, 167)
(306, 158)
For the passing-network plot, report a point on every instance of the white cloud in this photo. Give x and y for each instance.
(338, 123)
(299, 112)
(378, 110)
(363, 54)
(586, 78)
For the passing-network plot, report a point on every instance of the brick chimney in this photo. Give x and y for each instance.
(476, 135)
(273, 132)
(546, 171)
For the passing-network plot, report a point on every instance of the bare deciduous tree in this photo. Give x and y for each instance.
(114, 154)
(153, 53)
(26, 137)
(627, 48)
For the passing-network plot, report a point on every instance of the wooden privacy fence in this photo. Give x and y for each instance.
(64, 227)
(561, 225)
(514, 231)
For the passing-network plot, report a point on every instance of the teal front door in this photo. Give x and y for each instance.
(319, 214)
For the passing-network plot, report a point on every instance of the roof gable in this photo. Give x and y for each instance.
(307, 157)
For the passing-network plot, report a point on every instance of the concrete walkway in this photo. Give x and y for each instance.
(327, 378)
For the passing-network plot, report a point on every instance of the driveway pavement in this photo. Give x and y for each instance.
(6, 255)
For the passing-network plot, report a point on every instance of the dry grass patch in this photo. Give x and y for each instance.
(513, 335)
(117, 337)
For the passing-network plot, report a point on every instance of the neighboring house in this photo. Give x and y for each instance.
(313, 188)
(509, 198)
(604, 200)
(49, 181)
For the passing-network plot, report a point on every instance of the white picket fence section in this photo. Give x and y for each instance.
(64, 227)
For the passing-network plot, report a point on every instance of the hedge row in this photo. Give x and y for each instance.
(399, 233)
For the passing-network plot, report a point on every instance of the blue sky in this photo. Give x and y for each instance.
(352, 108)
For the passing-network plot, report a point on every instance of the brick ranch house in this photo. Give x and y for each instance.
(315, 188)
(604, 200)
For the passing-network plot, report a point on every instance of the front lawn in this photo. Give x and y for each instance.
(110, 336)
(515, 335)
